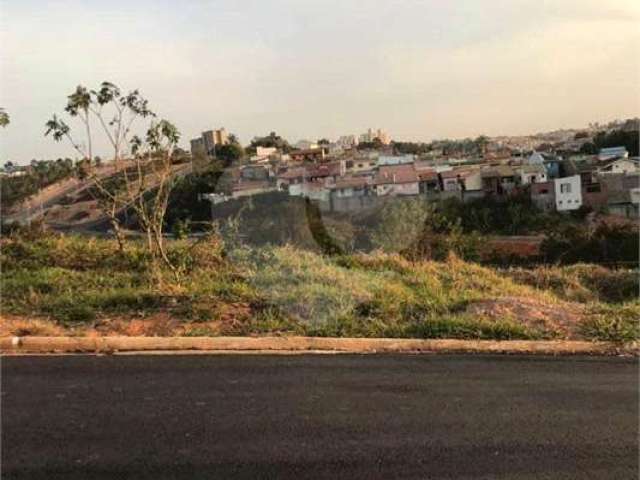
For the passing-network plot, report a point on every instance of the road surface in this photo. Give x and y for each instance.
(324, 416)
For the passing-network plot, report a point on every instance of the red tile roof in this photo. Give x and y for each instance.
(391, 174)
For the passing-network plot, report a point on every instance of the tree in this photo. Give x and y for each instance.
(230, 153)
(481, 143)
(618, 138)
(401, 224)
(323, 141)
(588, 148)
(149, 197)
(4, 118)
(143, 174)
(271, 140)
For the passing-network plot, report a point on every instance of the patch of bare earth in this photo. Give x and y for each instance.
(561, 319)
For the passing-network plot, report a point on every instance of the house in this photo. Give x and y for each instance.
(461, 180)
(348, 187)
(499, 179)
(308, 155)
(306, 145)
(360, 164)
(532, 174)
(550, 162)
(568, 193)
(313, 189)
(622, 165)
(264, 154)
(622, 193)
(293, 178)
(251, 187)
(552, 166)
(538, 158)
(255, 172)
(397, 180)
(611, 153)
(584, 168)
(395, 159)
(428, 181)
(543, 195)
(594, 195)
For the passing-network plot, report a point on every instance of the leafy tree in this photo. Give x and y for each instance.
(4, 118)
(40, 174)
(230, 153)
(271, 140)
(481, 143)
(588, 148)
(618, 138)
(400, 225)
(375, 144)
(411, 148)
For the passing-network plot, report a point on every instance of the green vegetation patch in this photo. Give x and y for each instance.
(76, 281)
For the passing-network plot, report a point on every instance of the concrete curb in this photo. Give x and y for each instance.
(31, 345)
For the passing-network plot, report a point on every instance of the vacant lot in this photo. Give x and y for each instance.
(55, 284)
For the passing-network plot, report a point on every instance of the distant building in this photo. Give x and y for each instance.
(533, 174)
(395, 160)
(306, 145)
(208, 141)
(370, 135)
(348, 141)
(309, 155)
(621, 165)
(397, 180)
(213, 138)
(499, 180)
(543, 195)
(568, 193)
(612, 153)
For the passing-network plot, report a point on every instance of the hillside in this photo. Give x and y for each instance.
(60, 284)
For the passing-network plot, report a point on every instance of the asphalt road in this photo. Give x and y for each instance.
(294, 417)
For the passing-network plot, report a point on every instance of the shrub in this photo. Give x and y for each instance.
(614, 324)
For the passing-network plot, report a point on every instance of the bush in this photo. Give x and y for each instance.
(613, 324)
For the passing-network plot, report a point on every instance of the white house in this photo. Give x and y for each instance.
(266, 151)
(622, 165)
(533, 174)
(568, 193)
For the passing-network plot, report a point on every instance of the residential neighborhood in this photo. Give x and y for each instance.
(344, 176)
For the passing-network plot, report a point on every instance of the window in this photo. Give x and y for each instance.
(565, 188)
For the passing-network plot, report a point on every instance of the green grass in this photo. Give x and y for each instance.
(79, 282)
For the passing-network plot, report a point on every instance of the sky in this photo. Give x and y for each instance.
(421, 70)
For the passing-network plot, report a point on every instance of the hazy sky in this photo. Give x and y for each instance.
(307, 68)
